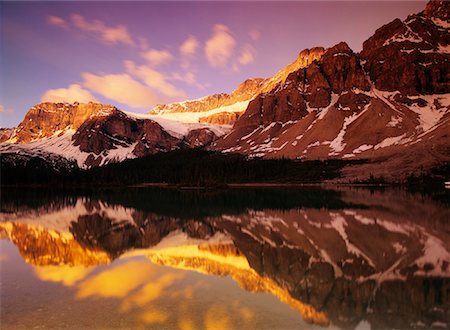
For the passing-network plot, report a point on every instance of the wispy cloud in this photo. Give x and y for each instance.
(157, 57)
(254, 34)
(5, 110)
(74, 93)
(188, 50)
(57, 21)
(143, 43)
(109, 34)
(220, 46)
(246, 56)
(188, 78)
(122, 88)
(155, 80)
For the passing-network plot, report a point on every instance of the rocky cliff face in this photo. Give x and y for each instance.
(247, 90)
(93, 134)
(45, 119)
(411, 56)
(221, 118)
(385, 103)
(138, 137)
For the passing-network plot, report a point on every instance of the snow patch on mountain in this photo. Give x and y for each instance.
(179, 128)
(194, 117)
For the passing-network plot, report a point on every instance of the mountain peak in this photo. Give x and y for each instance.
(437, 9)
(47, 118)
(341, 47)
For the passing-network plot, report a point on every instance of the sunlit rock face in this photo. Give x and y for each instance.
(43, 247)
(90, 135)
(45, 119)
(247, 90)
(388, 104)
(221, 118)
(411, 56)
(374, 256)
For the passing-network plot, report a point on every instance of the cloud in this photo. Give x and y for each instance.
(254, 34)
(154, 79)
(143, 43)
(188, 49)
(109, 34)
(5, 110)
(157, 57)
(220, 46)
(189, 78)
(246, 56)
(75, 93)
(57, 21)
(189, 46)
(122, 88)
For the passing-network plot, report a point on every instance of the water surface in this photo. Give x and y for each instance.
(236, 258)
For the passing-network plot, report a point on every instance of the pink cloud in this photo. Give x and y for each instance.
(157, 57)
(220, 46)
(74, 93)
(5, 110)
(122, 88)
(57, 21)
(254, 34)
(188, 49)
(246, 56)
(109, 34)
(154, 79)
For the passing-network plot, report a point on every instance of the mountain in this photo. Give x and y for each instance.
(225, 108)
(388, 104)
(94, 134)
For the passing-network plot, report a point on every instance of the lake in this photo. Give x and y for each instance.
(248, 258)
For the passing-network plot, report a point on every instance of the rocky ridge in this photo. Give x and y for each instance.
(386, 103)
(94, 134)
(246, 91)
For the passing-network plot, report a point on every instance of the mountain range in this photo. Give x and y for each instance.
(388, 104)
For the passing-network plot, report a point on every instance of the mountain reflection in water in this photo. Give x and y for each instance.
(338, 258)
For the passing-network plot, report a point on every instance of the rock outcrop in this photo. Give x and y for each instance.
(198, 138)
(412, 56)
(221, 118)
(245, 91)
(93, 135)
(45, 119)
(383, 104)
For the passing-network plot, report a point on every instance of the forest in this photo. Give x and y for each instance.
(196, 168)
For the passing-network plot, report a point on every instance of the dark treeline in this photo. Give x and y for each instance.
(180, 167)
(177, 203)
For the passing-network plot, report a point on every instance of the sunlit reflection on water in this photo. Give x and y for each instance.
(301, 259)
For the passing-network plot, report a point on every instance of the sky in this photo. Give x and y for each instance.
(135, 55)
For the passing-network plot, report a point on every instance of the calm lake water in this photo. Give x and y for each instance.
(238, 258)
